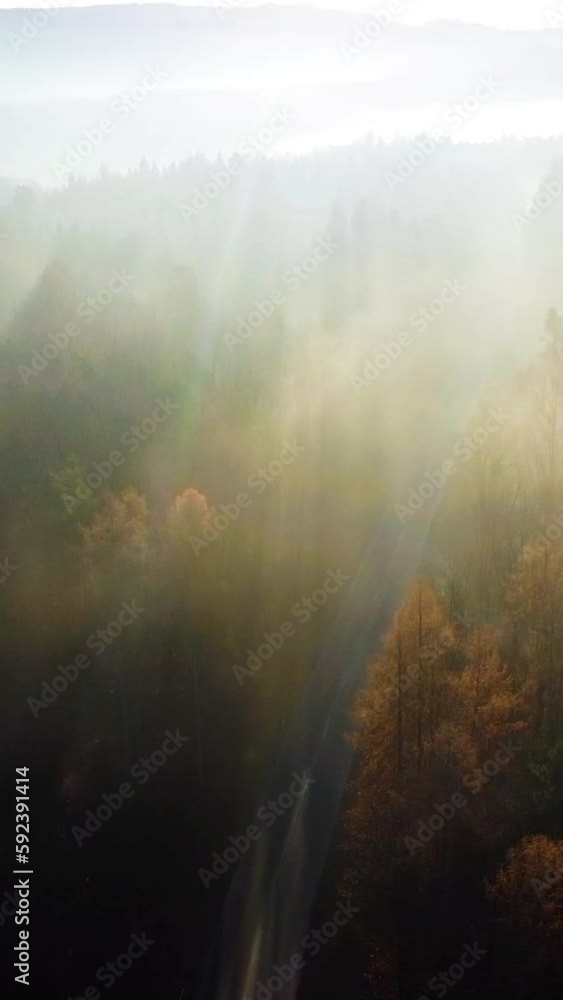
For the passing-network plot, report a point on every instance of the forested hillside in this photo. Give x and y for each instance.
(282, 462)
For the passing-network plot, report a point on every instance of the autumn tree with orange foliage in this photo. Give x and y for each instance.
(116, 541)
(528, 892)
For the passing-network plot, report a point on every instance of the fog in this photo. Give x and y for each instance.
(281, 348)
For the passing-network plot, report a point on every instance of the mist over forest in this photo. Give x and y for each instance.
(281, 400)
(225, 67)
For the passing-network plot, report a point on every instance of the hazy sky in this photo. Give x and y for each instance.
(502, 13)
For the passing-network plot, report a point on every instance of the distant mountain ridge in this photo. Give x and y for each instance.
(105, 46)
(223, 74)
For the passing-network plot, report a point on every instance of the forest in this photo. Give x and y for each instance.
(282, 574)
